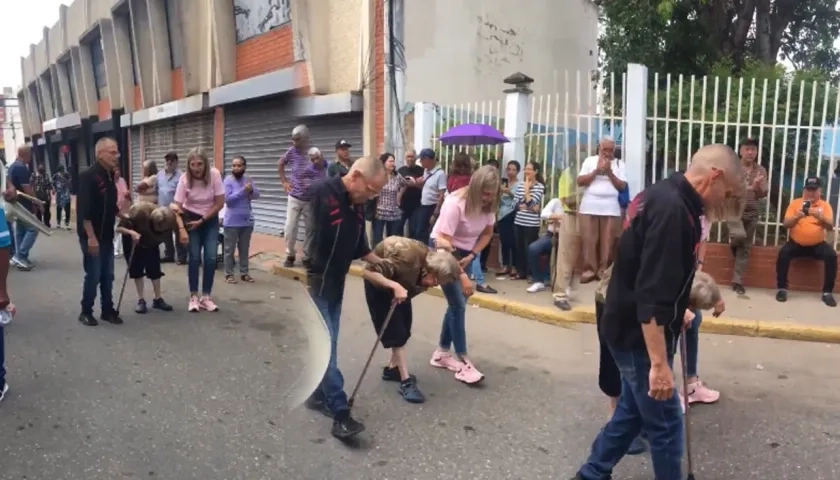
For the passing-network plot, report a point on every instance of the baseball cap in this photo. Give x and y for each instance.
(812, 183)
(427, 153)
(171, 156)
(342, 144)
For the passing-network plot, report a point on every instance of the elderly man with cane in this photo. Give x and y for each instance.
(339, 238)
(647, 296)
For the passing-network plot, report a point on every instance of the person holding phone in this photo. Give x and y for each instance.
(807, 219)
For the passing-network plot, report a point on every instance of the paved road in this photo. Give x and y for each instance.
(200, 396)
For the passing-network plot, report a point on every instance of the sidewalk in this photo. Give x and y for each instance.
(756, 314)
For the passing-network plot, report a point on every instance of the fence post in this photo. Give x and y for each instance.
(424, 123)
(517, 115)
(634, 150)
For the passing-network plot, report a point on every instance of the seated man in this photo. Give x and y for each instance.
(553, 214)
(807, 218)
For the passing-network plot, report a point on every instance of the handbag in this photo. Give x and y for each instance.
(624, 197)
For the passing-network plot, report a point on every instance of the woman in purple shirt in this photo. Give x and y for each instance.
(239, 218)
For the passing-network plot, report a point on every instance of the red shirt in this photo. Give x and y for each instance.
(457, 182)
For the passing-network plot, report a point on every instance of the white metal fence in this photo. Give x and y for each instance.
(447, 116)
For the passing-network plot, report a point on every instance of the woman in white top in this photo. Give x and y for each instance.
(553, 214)
(147, 186)
(528, 195)
(599, 214)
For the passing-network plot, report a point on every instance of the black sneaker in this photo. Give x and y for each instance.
(390, 374)
(318, 405)
(87, 320)
(141, 307)
(410, 392)
(563, 304)
(781, 295)
(828, 299)
(167, 260)
(160, 304)
(111, 317)
(290, 262)
(346, 427)
(4, 388)
(485, 289)
(306, 263)
(738, 288)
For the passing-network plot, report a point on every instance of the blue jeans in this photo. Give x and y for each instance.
(507, 240)
(477, 273)
(692, 342)
(206, 238)
(25, 237)
(331, 389)
(660, 422)
(419, 225)
(382, 228)
(99, 272)
(536, 250)
(453, 332)
(13, 238)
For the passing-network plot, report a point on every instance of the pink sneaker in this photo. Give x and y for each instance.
(442, 359)
(207, 304)
(469, 374)
(194, 304)
(699, 393)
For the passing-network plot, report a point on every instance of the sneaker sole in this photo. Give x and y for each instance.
(348, 436)
(4, 391)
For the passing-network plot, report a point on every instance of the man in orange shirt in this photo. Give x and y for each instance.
(807, 218)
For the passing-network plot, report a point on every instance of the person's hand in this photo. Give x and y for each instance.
(720, 307)
(528, 184)
(10, 194)
(434, 218)
(466, 260)
(183, 239)
(688, 318)
(535, 209)
(758, 182)
(661, 380)
(467, 286)
(607, 168)
(127, 195)
(142, 187)
(135, 237)
(815, 212)
(190, 226)
(799, 215)
(93, 246)
(400, 293)
(249, 188)
(522, 206)
(12, 309)
(287, 187)
(603, 164)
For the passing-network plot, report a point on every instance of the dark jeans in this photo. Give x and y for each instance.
(692, 344)
(507, 240)
(171, 248)
(386, 228)
(660, 422)
(2, 359)
(821, 251)
(419, 224)
(58, 210)
(203, 248)
(525, 236)
(331, 389)
(536, 250)
(99, 272)
(45, 215)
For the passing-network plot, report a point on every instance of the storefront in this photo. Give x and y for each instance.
(326, 130)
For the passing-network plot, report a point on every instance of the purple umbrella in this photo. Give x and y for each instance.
(473, 134)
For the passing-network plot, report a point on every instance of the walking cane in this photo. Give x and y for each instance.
(127, 271)
(685, 405)
(372, 352)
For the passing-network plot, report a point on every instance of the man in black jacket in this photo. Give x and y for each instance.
(339, 238)
(96, 212)
(646, 301)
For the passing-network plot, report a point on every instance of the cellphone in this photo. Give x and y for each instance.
(505, 182)
(806, 205)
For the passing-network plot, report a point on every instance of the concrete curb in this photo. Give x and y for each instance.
(586, 314)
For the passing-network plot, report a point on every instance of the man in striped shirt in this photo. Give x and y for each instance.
(304, 173)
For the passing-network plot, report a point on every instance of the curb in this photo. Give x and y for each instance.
(586, 314)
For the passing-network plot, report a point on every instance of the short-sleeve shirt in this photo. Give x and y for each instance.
(601, 197)
(528, 217)
(387, 207)
(435, 183)
(199, 198)
(20, 176)
(454, 222)
(808, 231)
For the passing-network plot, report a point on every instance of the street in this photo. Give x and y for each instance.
(181, 396)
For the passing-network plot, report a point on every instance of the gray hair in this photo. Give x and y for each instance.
(369, 167)
(314, 151)
(607, 139)
(443, 265)
(300, 131)
(705, 293)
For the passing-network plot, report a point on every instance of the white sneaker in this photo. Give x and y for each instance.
(3, 390)
(536, 287)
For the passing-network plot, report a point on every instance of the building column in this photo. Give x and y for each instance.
(223, 35)
(140, 29)
(125, 73)
(112, 70)
(161, 59)
(634, 146)
(517, 115)
(88, 84)
(194, 39)
(424, 124)
(62, 86)
(84, 82)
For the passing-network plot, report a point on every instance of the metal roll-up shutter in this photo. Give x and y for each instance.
(261, 132)
(135, 157)
(158, 140)
(194, 131)
(326, 130)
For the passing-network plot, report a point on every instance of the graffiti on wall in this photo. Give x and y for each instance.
(499, 46)
(255, 17)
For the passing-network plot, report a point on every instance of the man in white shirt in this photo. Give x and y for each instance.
(553, 214)
(599, 220)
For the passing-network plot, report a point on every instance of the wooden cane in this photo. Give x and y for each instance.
(30, 198)
(372, 352)
(127, 271)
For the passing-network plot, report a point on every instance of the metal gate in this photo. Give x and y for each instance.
(158, 140)
(261, 132)
(326, 130)
(135, 157)
(194, 131)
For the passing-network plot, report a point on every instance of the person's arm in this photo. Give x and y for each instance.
(793, 214)
(826, 218)
(616, 175)
(84, 204)
(281, 168)
(553, 210)
(537, 191)
(255, 192)
(760, 188)
(219, 199)
(232, 195)
(661, 276)
(483, 240)
(23, 178)
(363, 250)
(588, 172)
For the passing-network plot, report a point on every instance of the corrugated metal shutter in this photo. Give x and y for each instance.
(261, 132)
(326, 130)
(135, 158)
(158, 140)
(194, 131)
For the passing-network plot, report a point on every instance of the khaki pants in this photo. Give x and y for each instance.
(298, 214)
(598, 235)
(568, 248)
(740, 241)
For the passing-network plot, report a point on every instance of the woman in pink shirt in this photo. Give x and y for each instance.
(465, 227)
(199, 197)
(123, 204)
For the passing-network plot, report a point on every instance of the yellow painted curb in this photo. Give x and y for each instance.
(586, 314)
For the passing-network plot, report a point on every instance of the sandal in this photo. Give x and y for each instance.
(247, 278)
(230, 279)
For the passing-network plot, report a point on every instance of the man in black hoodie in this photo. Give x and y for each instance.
(96, 213)
(339, 238)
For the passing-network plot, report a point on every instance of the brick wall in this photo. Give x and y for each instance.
(265, 53)
(219, 138)
(177, 84)
(103, 109)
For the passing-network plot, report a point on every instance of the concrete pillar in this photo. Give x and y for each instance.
(143, 50)
(58, 95)
(122, 45)
(223, 34)
(161, 60)
(517, 115)
(25, 115)
(44, 86)
(112, 71)
(60, 79)
(196, 46)
(369, 92)
(424, 125)
(82, 103)
(634, 148)
(306, 20)
(88, 85)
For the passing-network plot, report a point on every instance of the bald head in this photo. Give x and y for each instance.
(368, 167)
(24, 152)
(365, 179)
(716, 173)
(107, 153)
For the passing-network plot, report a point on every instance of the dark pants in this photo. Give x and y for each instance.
(58, 210)
(536, 250)
(821, 251)
(171, 248)
(525, 236)
(204, 247)
(636, 412)
(507, 240)
(609, 377)
(485, 255)
(145, 261)
(45, 215)
(99, 272)
(386, 228)
(379, 302)
(331, 389)
(419, 224)
(2, 359)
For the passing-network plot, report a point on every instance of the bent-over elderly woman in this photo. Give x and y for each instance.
(407, 269)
